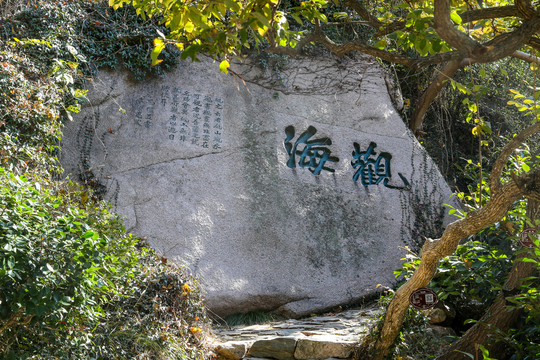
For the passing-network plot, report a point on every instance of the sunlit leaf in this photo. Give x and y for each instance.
(224, 66)
(455, 17)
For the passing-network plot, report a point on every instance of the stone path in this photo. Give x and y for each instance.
(320, 337)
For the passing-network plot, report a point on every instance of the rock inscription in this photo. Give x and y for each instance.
(293, 193)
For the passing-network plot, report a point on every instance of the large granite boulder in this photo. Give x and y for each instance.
(291, 185)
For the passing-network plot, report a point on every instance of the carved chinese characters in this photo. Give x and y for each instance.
(313, 154)
(369, 167)
(183, 116)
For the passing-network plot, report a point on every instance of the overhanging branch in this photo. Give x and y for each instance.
(502, 159)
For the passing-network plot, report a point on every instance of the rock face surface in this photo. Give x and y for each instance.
(291, 185)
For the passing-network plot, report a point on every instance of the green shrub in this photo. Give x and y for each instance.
(59, 263)
(73, 284)
(525, 340)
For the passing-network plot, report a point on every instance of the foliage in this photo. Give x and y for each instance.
(525, 340)
(59, 264)
(90, 34)
(474, 273)
(163, 316)
(416, 339)
(399, 31)
(223, 28)
(73, 284)
(30, 104)
(67, 265)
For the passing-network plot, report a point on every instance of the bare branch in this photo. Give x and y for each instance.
(526, 57)
(500, 163)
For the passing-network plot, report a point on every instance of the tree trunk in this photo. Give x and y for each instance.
(434, 250)
(434, 88)
(496, 317)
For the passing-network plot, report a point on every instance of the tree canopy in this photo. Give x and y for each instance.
(415, 34)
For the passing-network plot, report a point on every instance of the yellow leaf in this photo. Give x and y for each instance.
(224, 66)
(189, 27)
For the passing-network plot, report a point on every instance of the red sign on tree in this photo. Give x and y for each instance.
(423, 299)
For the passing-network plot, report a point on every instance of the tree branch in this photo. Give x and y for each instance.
(506, 44)
(497, 317)
(446, 30)
(342, 49)
(489, 13)
(357, 6)
(526, 57)
(434, 250)
(525, 8)
(383, 29)
(500, 163)
(534, 43)
(498, 48)
(423, 104)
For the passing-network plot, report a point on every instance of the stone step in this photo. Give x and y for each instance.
(320, 337)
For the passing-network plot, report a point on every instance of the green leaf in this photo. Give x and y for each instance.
(190, 51)
(298, 19)
(455, 17)
(189, 27)
(381, 44)
(158, 47)
(263, 19)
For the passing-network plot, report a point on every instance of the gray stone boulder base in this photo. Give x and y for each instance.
(289, 186)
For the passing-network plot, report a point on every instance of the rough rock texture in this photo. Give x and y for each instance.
(290, 186)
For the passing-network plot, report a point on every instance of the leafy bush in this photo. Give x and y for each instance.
(59, 264)
(73, 284)
(92, 31)
(65, 267)
(525, 340)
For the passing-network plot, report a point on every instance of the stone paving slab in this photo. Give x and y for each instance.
(319, 337)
